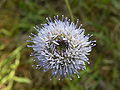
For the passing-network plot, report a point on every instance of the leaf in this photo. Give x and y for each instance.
(22, 80)
(116, 4)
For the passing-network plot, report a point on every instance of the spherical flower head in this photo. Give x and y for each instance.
(61, 47)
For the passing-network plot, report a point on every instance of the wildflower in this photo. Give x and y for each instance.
(61, 47)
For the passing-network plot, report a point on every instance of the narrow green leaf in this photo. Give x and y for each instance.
(22, 79)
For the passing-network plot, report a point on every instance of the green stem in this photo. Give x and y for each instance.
(69, 9)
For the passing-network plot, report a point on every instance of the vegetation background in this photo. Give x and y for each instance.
(99, 17)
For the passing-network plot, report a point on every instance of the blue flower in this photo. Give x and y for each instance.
(61, 47)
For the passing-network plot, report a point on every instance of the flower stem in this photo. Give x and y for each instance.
(69, 9)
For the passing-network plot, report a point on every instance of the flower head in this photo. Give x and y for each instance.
(61, 47)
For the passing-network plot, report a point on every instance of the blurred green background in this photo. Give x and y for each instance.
(99, 17)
